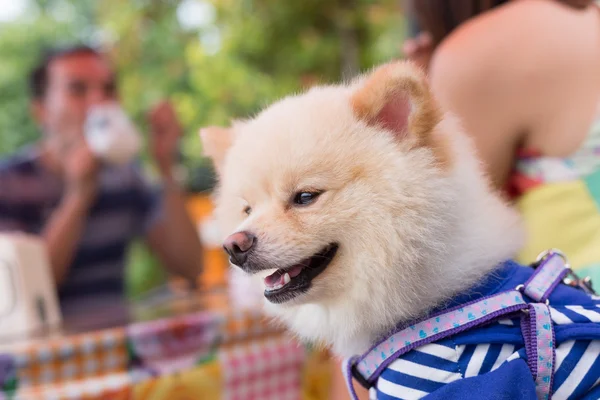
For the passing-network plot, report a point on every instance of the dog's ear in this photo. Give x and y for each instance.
(216, 142)
(396, 97)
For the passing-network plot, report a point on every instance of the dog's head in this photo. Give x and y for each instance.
(345, 194)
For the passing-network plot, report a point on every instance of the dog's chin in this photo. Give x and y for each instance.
(291, 284)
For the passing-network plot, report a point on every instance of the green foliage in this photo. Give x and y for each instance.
(251, 53)
(144, 272)
(19, 46)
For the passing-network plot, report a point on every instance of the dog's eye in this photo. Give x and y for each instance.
(305, 198)
(247, 210)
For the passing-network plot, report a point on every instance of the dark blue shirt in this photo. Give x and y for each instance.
(126, 206)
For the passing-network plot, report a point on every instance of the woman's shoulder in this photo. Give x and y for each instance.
(520, 51)
(540, 34)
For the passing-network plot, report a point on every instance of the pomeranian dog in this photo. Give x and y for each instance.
(357, 207)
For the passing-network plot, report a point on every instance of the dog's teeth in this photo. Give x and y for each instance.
(285, 280)
(276, 287)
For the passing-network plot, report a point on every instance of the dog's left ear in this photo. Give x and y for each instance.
(216, 142)
(396, 97)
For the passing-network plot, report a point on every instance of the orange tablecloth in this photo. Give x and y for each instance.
(217, 351)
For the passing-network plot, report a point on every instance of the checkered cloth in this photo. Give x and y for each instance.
(80, 357)
(256, 360)
(105, 352)
(263, 370)
(114, 386)
(266, 370)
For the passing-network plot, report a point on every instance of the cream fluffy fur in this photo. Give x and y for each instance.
(403, 196)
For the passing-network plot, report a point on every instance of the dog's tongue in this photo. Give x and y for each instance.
(277, 276)
(274, 278)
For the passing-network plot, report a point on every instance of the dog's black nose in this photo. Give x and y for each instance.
(238, 246)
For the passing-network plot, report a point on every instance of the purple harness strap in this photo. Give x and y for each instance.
(538, 332)
(547, 276)
(537, 328)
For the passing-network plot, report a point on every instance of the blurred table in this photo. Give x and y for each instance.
(194, 346)
(172, 344)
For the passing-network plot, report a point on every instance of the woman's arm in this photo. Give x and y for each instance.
(522, 75)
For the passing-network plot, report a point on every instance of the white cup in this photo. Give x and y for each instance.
(111, 135)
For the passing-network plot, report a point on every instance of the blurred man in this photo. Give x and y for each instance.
(88, 212)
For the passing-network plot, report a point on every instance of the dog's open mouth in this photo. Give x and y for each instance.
(287, 283)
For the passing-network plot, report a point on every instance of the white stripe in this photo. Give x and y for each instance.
(593, 316)
(476, 360)
(576, 376)
(399, 391)
(514, 356)
(562, 352)
(506, 322)
(559, 317)
(440, 351)
(505, 352)
(372, 394)
(423, 371)
(459, 351)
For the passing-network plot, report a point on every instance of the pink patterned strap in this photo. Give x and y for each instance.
(546, 277)
(367, 368)
(538, 333)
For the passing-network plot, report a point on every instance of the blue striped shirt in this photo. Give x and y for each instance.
(489, 362)
(125, 207)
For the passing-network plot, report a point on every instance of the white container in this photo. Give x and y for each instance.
(111, 135)
(28, 300)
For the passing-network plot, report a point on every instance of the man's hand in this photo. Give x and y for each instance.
(173, 238)
(66, 224)
(80, 169)
(165, 131)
